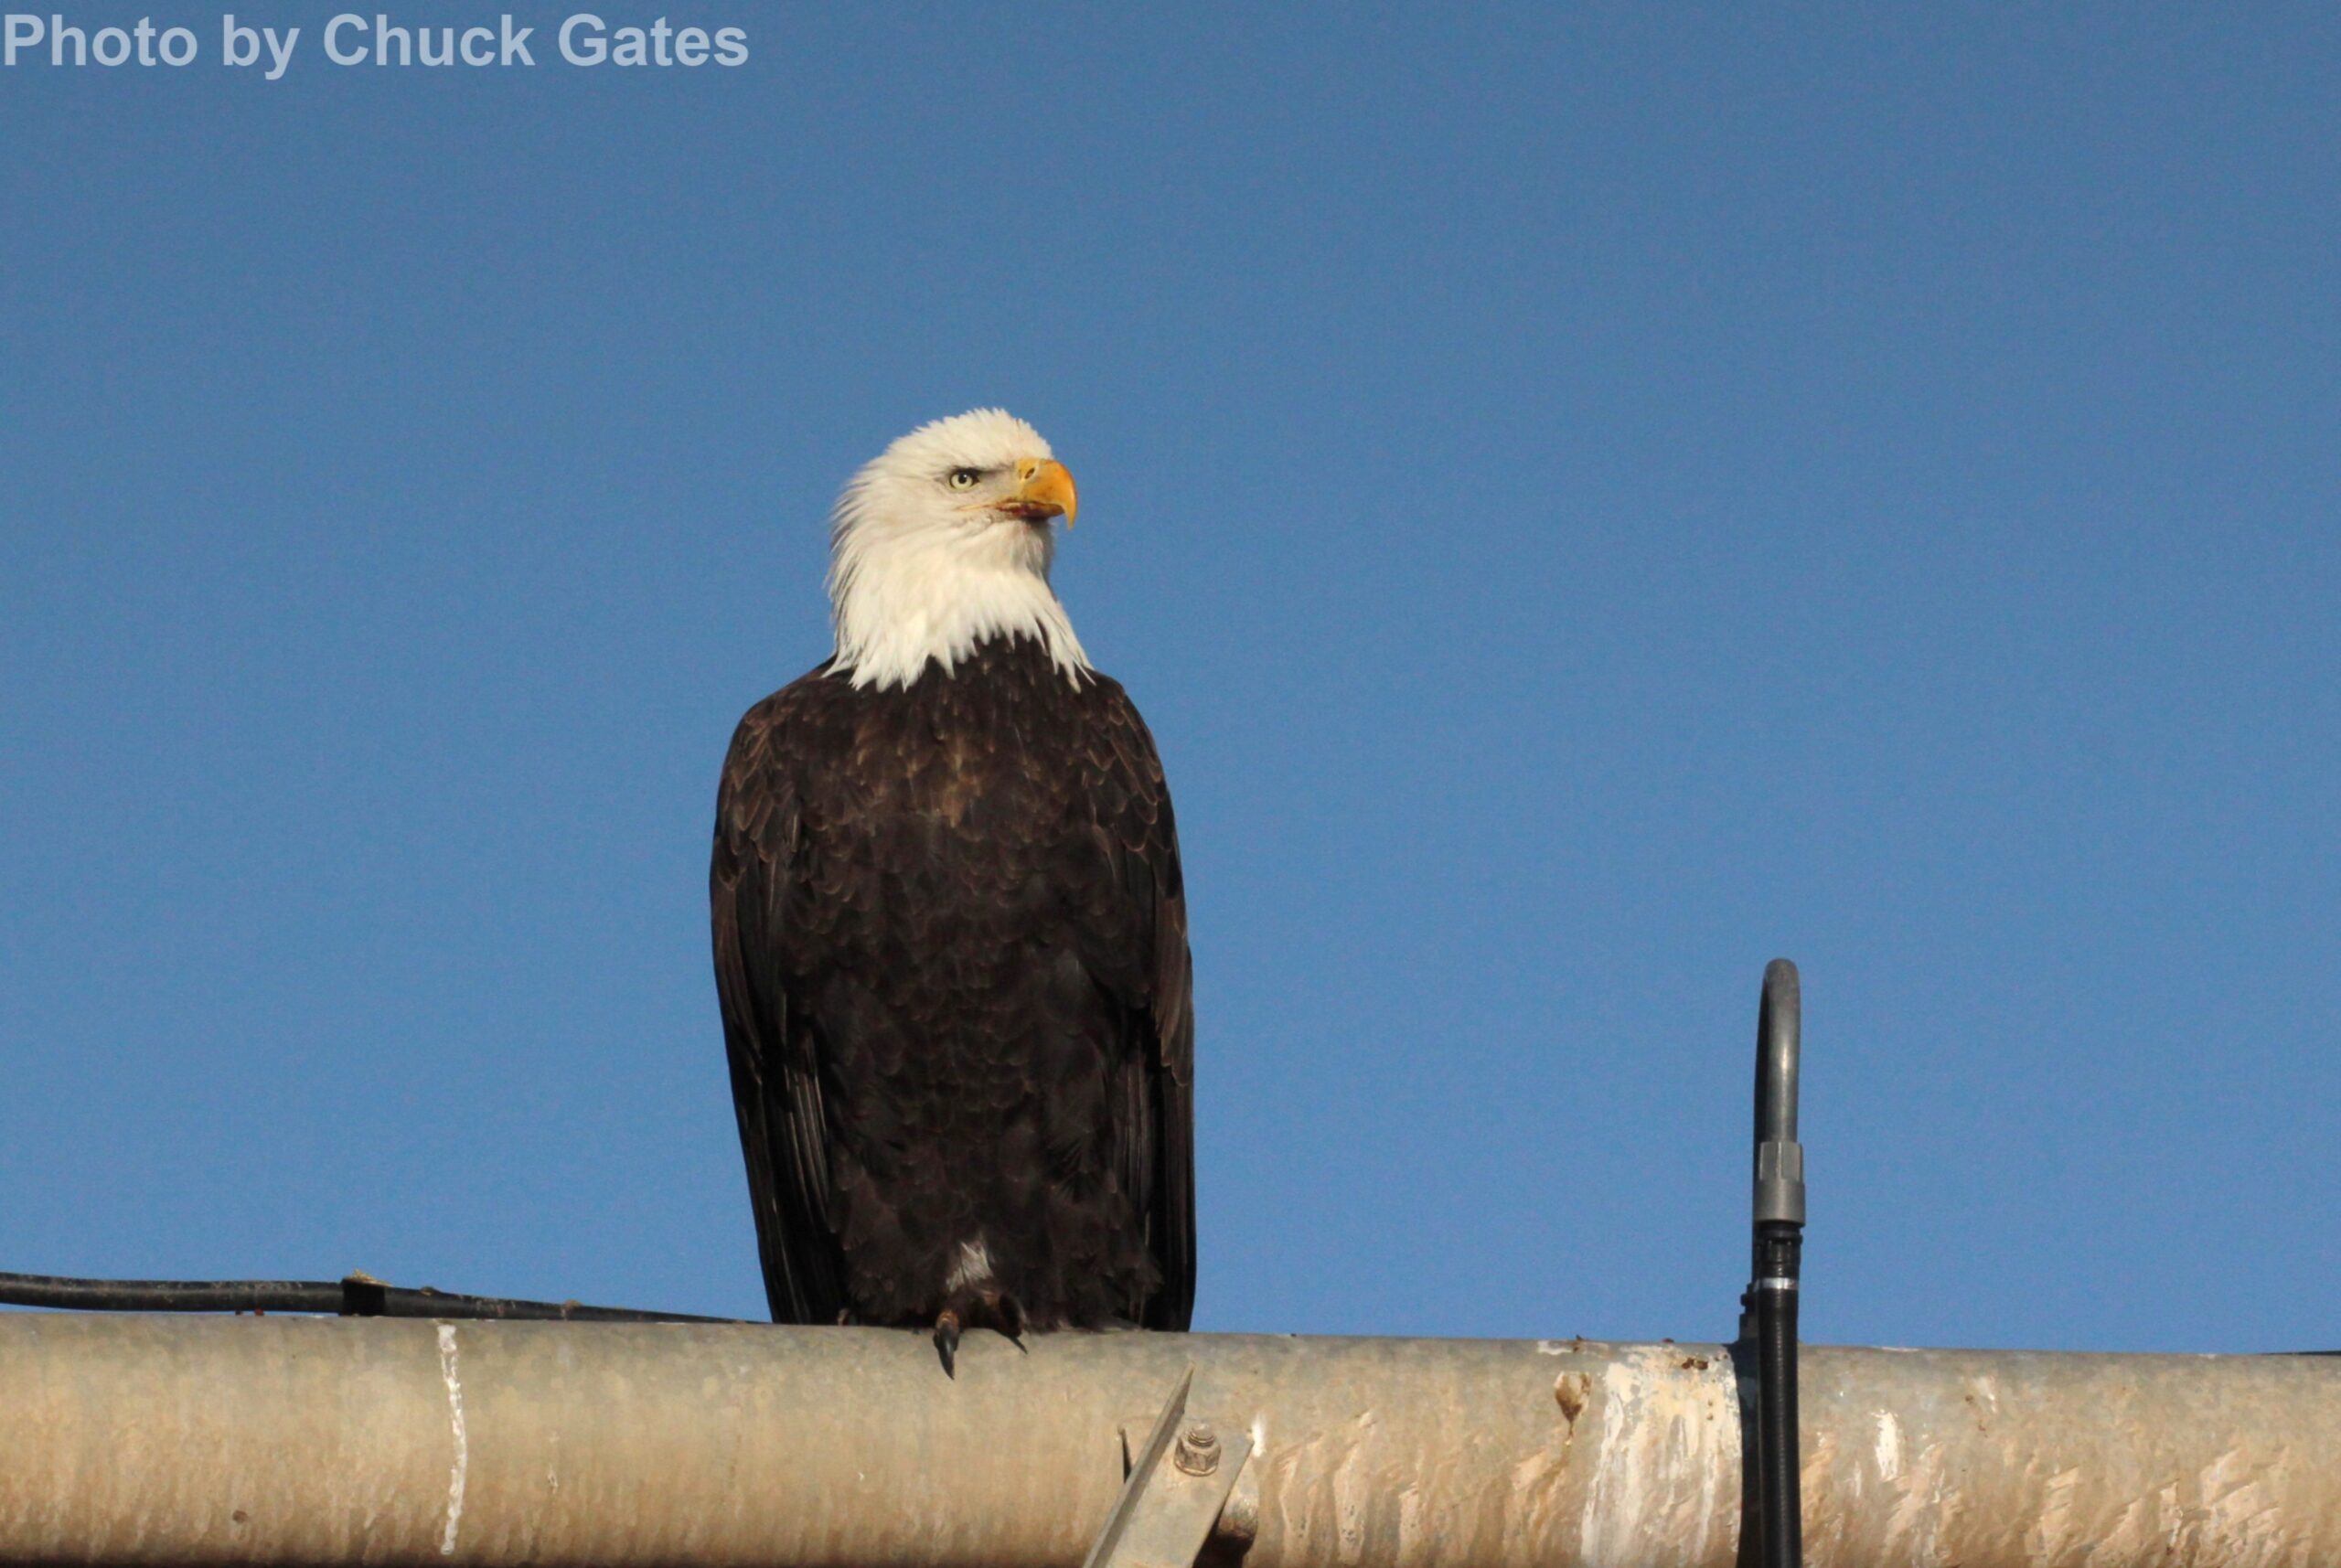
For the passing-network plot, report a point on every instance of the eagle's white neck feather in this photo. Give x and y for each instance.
(914, 579)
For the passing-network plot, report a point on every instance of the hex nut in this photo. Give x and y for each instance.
(1197, 1452)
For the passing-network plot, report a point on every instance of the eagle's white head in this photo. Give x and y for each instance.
(942, 541)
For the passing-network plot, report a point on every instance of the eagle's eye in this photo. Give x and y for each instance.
(962, 478)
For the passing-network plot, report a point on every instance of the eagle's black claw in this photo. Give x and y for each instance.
(1007, 1314)
(947, 1342)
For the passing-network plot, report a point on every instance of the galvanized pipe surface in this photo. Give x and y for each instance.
(291, 1441)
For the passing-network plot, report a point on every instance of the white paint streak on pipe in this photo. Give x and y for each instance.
(1889, 1447)
(1668, 1443)
(463, 1458)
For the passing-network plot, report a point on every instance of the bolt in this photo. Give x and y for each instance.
(1198, 1450)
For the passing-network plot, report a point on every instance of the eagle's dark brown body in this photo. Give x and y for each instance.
(951, 945)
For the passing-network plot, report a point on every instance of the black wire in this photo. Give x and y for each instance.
(1768, 1317)
(1779, 1486)
(356, 1297)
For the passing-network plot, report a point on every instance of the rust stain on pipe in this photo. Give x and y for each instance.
(137, 1440)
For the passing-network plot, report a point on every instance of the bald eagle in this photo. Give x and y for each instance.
(951, 934)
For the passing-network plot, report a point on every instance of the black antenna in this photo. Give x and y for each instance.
(1768, 1310)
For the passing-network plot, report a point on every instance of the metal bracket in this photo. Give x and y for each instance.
(1178, 1485)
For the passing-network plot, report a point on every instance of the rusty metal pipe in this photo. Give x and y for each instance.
(146, 1440)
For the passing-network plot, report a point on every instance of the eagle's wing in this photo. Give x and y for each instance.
(776, 1080)
(1154, 1132)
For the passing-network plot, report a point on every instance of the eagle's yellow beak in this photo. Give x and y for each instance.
(1043, 489)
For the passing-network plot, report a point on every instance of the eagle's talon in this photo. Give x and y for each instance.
(1005, 1313)
(947, 1342)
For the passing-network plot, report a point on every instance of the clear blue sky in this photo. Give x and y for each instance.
(1588, 499)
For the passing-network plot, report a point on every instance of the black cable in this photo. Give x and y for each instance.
(1778, 1487)
(356, 1297)
(1769, 1315)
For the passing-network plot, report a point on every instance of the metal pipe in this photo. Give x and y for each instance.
(152, 1440)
